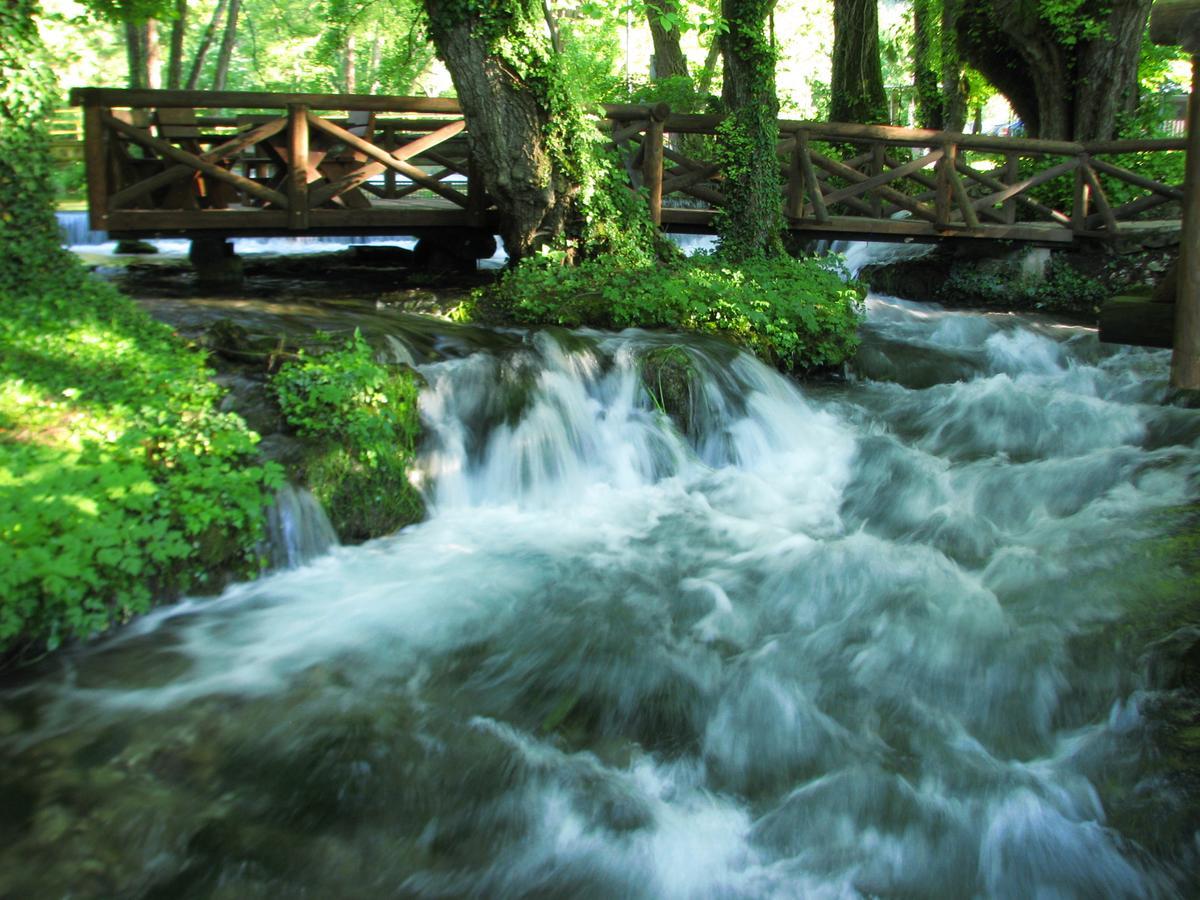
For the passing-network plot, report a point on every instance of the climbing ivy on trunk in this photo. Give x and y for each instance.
(752, 219)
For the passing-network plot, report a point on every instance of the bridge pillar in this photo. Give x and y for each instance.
(216, 264)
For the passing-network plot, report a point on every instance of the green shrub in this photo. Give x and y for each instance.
(364, 425)
(798, 314)
(120, 483)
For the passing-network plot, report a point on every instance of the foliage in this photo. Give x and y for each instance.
(796, 314)
(28, 231)
(119, 480)
(365, 424)
(1064, 289)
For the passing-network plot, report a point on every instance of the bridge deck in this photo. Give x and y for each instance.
(189, 163)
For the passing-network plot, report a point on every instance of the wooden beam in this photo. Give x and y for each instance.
(393, 160)
(96, 166)
(958, 190)
(1102, 204)
(1017, 190)
(176, 173)
(652, 169)
(688, 178)
(154, 99)
(140, 136)
(876, 181)
(811, 182)
(1149, 184)
(833, 167)
(297, 175)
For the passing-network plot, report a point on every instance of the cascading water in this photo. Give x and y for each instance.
(845, 640)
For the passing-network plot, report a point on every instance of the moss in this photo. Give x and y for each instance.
(362, 501)
(670, 377)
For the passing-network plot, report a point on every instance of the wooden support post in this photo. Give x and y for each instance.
(96, 166)
(878, 152)
(652, 167)
(943, 201)
(1079, 209)
(794, 205)
(1185, 357)
(297, 190)
(811, 182)
(1012, 171)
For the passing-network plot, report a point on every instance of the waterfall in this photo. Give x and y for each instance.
(870, 638)
(297, 528)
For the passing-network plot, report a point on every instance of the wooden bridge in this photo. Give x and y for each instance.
(196, 163)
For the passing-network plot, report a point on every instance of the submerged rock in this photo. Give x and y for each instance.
(673, 382)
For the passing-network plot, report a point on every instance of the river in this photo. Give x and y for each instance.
(859, 638)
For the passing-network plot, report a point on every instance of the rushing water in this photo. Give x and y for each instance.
(834, 641)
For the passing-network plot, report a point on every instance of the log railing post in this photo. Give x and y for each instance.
(794, 204)
(1012, 172)
(812, 185)
(297, 182)
(652, 161)
(878, 162)
(943, 200)
(96, 165)
(1079, 208)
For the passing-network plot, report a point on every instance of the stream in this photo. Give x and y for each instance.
(845, 639)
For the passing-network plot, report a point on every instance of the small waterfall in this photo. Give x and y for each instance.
(73, 225)
(297, 528)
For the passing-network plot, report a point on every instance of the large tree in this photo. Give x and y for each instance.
(856, 88)
(751, 222)
(664, 19)
(1067, 68)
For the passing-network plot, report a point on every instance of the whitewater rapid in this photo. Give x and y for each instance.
(839, 640)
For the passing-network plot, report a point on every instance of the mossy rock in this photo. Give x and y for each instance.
(673, 383)
(362, 501)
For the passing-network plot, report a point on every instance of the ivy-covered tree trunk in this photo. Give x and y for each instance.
(856, 88)
(669, 60)
(954, 89)
(511, 93)
(752, 219)
(926, 64)
(1068, 70)
(32, 257)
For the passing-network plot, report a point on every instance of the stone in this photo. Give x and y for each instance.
(135, 248)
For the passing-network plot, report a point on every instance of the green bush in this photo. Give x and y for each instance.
(798, 314)
(120, 483)
(364, 426)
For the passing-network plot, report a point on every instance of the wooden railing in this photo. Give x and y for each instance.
(257, 163)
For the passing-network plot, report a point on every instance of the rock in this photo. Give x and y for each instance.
(135, 248)
(673, 383)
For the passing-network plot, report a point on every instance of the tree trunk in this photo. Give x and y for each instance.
(153, 50)
(351, 80)
(954, 93)
(226, 54)
(1062, 90)
(751, 222)
(709, 69)
(376, 58)
(1106, 71)
(206, 39)
(669, 61)
(178, 32)
(857, 83)
(925, 66)
(135, 55)
(508, 121)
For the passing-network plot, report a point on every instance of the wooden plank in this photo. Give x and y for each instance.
(139, 136)
(176, 173)
(96, 166)
(652, 169)
(1137, 180)
(297, 174)
(885, 177)
(384, 159)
